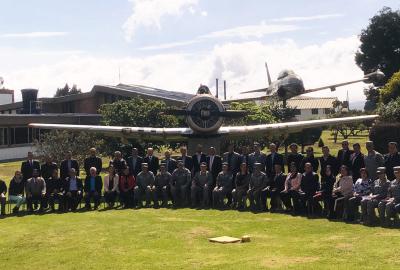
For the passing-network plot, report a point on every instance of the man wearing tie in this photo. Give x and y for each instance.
(198, 158)
(214, 163)
(357, 162)
(232, 159)
(170, 163)
(392, 159)
(186, 160)
(272, 159)
(152, 161)
(67, 165)
(344, 154)
(135, 162)
(28, 166)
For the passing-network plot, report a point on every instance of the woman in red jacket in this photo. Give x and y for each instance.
(127, 183)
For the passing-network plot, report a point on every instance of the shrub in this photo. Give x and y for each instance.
(384, 132)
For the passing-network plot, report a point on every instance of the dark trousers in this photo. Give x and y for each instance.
(72, 200)
(351, 207)
(127, 198)
(92, 195)
(274, 195)
(310, 204)
(35, 199)
(110, 197)
(3, 205)
(292, 200)
(51, 198)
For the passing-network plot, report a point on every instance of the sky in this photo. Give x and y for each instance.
(180, 44)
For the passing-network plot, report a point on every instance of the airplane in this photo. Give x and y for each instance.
(289, 84)
(205, 115)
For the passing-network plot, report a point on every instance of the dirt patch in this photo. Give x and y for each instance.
(287, 261)
(344, 246)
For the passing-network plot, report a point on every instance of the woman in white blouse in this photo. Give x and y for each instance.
(292, 191)
(111, 181)
(342, 190)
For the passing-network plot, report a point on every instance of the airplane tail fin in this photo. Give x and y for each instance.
(268, 75)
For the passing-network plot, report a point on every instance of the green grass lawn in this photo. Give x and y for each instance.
(178, 239)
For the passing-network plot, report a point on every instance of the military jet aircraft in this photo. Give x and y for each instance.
(289, 84)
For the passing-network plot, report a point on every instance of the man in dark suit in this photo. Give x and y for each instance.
(357, 162)
(309, 158)
(272, 159)
(152, 161)
(93, 161)
(198, 158)
(275, 186)
(244, 154)
(328, 159)
(48, 168)
(392, 159)
(187, 161)
(28, 166)
(135, 162)
(67, 165)
(214, 163)
(170, 163)
(93, 187)
(232, 159)
(294, 156)
(344, 154)
(72, 191)
(257, 157)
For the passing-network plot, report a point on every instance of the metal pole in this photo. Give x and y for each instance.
(224, 90)
(216, 86)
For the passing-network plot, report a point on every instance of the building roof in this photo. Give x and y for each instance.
(304, 102)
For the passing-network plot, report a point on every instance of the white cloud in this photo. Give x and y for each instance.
(247, 31)
(148, 13)
(204, 13)
(308, 18)
(33, 35)
(241, 64)
(244, 32)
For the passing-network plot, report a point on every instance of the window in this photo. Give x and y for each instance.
(328, 111)
(3, 136)
(297, 112)
(314, 111)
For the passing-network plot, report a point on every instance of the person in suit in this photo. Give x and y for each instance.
(223, 186)
(258, 182)
(198, 158)
(93, 161)
(273, 158)
(309, 158)
(344, 154)
(54, 190)
(161, 186)
(47, 168)
(392, 159)
(72, 191)
(170, 163)
(3, 192)
(214, 163)
(119, 163)
(67, 164)
(92, 188)
(309, 186)
(187, 160)
(35, 190)
(152, 161)
(201, 187)
(244, 154)
(180, 184)
(357, 162)
(294, 157)
(232, 159)
(291, 194)
(111, 182)
(328, 180)
(135, 162)
(239, 193)
(257, 157)
(28, 166)
(328, 160)
(275, 186)
(373, 160)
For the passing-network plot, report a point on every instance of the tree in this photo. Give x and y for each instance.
(380, 48)
(308, 136)
(391, 90)
(56, 143)
(135, 112)
(67, 91)
(390, 112)
(349, 129)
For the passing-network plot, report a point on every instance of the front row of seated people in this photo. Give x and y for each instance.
(299, 193)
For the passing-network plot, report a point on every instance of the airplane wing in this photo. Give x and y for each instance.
(289, 127)
(141, 133)
(179, 134)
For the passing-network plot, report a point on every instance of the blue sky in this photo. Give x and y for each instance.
(178, 44)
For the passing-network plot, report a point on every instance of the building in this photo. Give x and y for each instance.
(309, 108)
(6, 96)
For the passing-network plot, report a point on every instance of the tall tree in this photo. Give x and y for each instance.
(66, 91)
(380, 48)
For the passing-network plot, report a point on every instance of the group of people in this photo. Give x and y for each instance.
(346, 183)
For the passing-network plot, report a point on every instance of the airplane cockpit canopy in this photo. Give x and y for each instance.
(203, 90)
(284, 73)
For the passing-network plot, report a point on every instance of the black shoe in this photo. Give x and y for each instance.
(15, 210)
